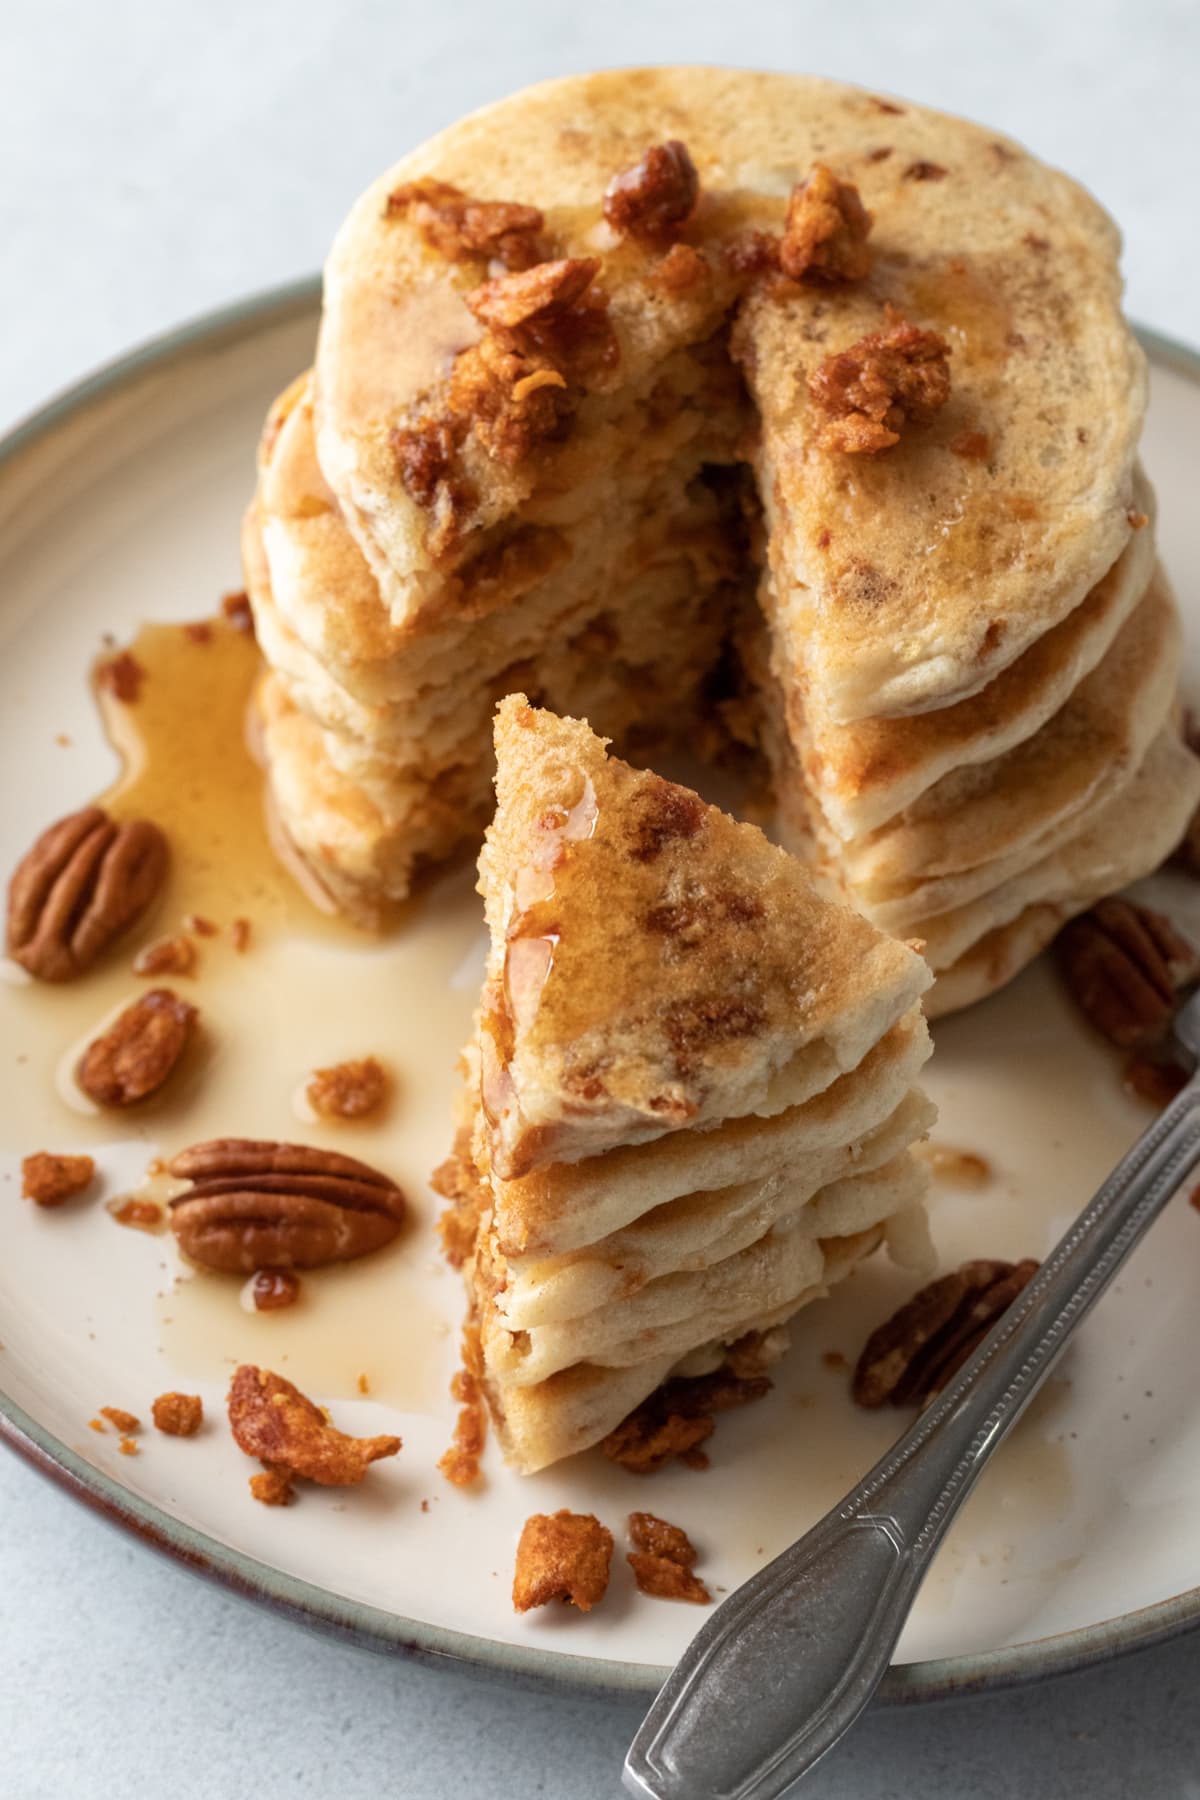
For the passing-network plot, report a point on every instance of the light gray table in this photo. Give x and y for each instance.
(156, 160)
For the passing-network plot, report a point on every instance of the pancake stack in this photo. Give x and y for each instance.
(689, 1103)
(587, 420)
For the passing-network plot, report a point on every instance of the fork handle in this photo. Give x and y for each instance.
(787, 1663)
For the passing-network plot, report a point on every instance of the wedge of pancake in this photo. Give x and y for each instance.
(690, 1100)
(954, 656)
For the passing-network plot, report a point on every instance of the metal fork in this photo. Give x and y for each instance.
(790, 1660)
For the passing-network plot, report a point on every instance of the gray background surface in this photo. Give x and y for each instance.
(156, 160)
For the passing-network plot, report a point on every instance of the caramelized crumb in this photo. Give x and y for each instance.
(1138, 520)
(178, 1415)
(460, 1463)
(925, 171)
(273, 1487)
(657, 195)
(885, 381)
(680, 269)
(457, 1180)
(96, 1425)
(662, 1559)
(166, 956)
(825, 234)
(752, 252)
(273, 1421)
(201, 926)
(142, 1215)
(348, 1090)
(198, 631)
(128, 1447)
(48, 1180)
(834, 1361)
(122, 675)
(236, 608)
(975, 446)
(562, 1556)
(239, 933)
(363, 1385)
(123, 1421)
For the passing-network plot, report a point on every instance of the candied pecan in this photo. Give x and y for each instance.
(459, 226)
(178, 1415)
(348, 1090)
(132, 1059)
(511, 301)
(562, 1556)
(912, 1355)
(677, 1417)
(425, 455)
(82, 884)
(662, 1558)
(49, 1180)
(256, 1205)
(166, 956)
(511, 399)
(1125, 966)
(657, 195)
(886, 380)
(272, 1420)
(825, 233)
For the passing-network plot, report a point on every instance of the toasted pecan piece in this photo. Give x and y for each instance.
(272, 1420)
(459, 226)
(133, 1058)
(255, 1204)
(911, 1356)
(177, 1415)
(562, 1556)
(825, 233)
(48, 1180)
(884, 382)
(662, 1558)
(78, 888)
(1125, 967)
(166, 956)
(657, 195)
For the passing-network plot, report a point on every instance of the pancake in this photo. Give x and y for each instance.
(654, 962)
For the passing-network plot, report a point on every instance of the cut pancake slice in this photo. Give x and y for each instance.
(654, 963)
(689, 1105)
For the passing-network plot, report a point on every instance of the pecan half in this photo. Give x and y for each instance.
(131, 1060)
(271, 1419)
(1125, 967)
(825, 234)
(260, 1205)
(912, 1355)
(82, 884)
(511, 301)
(656, 195)
(886, 380)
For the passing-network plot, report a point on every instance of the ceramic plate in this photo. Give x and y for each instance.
(119, 504)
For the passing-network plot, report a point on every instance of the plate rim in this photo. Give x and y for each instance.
(355, 1621)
